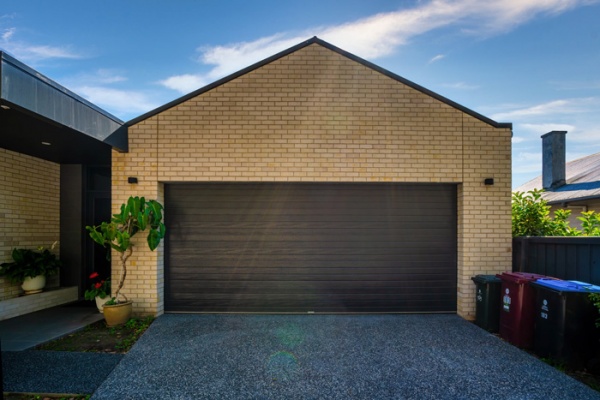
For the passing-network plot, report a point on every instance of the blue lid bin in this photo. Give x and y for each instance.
(487, 302)
(565, 328)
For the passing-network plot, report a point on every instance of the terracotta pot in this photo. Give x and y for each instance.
(118, 314)
(34, 285)
(100, 302)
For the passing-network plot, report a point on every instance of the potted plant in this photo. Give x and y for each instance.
(99, 291)
(137, 215)
(30, 268)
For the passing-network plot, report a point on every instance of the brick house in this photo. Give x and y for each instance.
(315, 181)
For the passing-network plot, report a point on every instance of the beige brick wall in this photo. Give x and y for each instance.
(315, 115)
(29, 207)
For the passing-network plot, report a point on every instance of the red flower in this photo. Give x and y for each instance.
(98, 285)
(94, 275)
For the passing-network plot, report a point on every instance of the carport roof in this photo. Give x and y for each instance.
(316, 40)
(43, 119)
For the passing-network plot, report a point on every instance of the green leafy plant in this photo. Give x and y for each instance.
(595, 299)
(590, 222)
(29, 263)
(531, 217)
(137, 215)
(100, 287)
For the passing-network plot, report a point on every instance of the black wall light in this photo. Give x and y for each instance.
(488, 181)
(132, 179)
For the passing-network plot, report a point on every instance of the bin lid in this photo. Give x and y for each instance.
(486, 279)
(567, 286)
(521, 277)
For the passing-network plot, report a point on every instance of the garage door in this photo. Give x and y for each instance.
(302, 248)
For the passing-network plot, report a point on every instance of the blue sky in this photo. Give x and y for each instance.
(535, 63)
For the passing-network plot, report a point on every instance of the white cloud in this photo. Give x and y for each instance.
(518, 139)
(7, 34)
(548, 127)
(586, 135)
(460, 86)
(116, 101)
(184, 83)
(229, 59)
(378, 35)
(549, 109)
(45, 52)
(33, 52)
(100, 76)
(109, 76)
(436, 58)
(529, 156)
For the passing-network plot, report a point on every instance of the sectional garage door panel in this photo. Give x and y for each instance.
(291, 247)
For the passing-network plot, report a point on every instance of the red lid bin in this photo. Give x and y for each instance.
(517, 315)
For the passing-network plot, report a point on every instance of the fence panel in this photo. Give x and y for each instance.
(571, 258)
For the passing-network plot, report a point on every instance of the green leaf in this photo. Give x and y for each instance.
(97, 237)
(135, 205)
(142, 220)
(156, 208)
(153, 239)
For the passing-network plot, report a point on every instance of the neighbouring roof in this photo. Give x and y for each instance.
(582, 182)
(316, 40)
(35, 109)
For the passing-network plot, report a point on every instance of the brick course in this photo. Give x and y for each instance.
(29, 208)
(315, 115)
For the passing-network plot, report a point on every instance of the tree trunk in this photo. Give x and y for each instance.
(124, 257)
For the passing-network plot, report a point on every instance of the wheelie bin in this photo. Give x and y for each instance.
(487, 302)
(565, 318)
(517, 308)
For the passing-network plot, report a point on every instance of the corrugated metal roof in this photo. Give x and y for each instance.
(43, 119)
(582, 177)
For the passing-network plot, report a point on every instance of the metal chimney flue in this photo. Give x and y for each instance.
(553, 159)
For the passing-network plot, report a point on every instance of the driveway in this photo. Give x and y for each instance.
(186, 356)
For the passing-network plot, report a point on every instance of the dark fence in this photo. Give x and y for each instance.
(569, 258)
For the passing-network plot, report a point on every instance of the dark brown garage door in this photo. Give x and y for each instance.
(293, 247)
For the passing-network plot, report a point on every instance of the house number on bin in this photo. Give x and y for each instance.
(543, 314)
(479, 296)
(506, 301)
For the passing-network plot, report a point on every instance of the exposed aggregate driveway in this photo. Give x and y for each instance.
(184, 356)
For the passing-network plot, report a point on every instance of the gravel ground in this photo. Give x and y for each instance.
(55, 371)
(330, 357)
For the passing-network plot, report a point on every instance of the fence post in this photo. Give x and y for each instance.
(520, 254)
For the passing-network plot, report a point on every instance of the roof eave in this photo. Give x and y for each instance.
(99, 124)
(573, 199)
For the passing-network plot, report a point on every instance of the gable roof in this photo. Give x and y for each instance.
(316, 40)
(582, 182)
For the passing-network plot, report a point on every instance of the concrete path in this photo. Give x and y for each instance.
(27, 331)
(330, 357)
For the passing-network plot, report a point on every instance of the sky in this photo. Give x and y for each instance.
(534, 63)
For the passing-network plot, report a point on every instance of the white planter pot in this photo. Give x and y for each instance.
(100, 302)
(34, 285)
